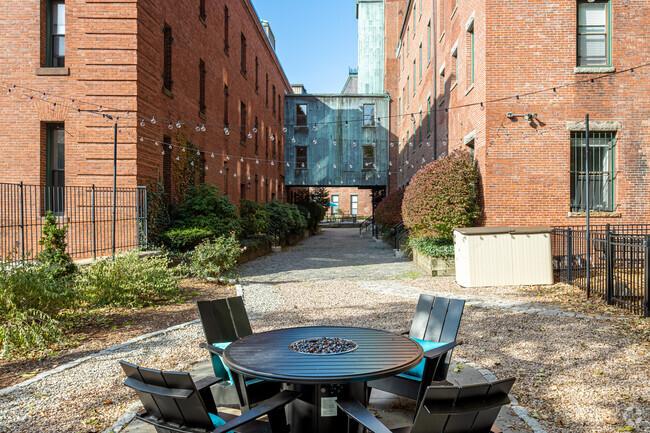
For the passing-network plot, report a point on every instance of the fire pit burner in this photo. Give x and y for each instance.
(323, 346)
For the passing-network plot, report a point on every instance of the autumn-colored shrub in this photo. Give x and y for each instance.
(389, 211)
(442, 195)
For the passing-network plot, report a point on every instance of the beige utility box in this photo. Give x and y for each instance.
(503, 256)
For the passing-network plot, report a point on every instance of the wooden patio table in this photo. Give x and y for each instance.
(321, 378)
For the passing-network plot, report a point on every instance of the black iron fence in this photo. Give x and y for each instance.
(617, 267)
(93, 231)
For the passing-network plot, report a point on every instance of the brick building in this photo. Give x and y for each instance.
(194, 62)
(530, 148)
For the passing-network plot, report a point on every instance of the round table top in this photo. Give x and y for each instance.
(267, 356)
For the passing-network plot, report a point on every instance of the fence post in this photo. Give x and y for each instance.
(146, 218)
(646, 280)
(569, 256)
(21, 211)
(94, 220)
(609, 267)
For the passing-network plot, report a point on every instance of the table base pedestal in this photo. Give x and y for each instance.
(316, 411)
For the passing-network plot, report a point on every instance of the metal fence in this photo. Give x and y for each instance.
(87, 211)
(617, 267)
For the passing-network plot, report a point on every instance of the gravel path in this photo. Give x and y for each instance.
(578, 374)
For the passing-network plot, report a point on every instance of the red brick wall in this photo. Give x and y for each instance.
(194, 41)
(345, 206)
(525, 169)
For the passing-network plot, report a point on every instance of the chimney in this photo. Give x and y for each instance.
(269, 32)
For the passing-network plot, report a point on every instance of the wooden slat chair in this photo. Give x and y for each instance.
(225, 321)
(435, 327)
(445, 409)
(173, 404)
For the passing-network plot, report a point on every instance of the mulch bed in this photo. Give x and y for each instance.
(111, 326)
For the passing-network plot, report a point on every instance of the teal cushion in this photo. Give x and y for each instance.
(418, 370)
(220, 369)
(218, 422)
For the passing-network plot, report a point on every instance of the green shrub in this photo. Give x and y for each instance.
(288, 218)
(213, 257)
(389, 211)
(433, 247)
(206, 207)
(254, 218)
(159, 218)
(183, 239)
(31, 295)
(128, 281)
(442, 195)
(54, 246)
(313, 213)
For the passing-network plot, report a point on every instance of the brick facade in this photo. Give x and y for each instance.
(522, 47)
(364, 200)
(114, 59)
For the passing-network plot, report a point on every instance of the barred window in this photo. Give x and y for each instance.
(601, 171)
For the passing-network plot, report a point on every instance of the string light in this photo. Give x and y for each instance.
(170, 126)
(226, 130)
(202, 128)
(178, 125)
(250, 135)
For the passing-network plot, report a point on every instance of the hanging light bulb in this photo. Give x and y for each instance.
(227, 158)
(178, 125)
(242, 159)
(317, 165)
(202, 128)
(226, 131)
(374, 144)
(272, 137)
(206, 168)
(302, 165)
(314, 141)
(407, 162)
(153, 120)
(142, 122)
(156, 143)
(250, 135)
(198, 152)
(354, 143)
(192, 163)
(141, 138)
(212, 155)
(249, 178)
(100, 108)
(272, 162)
(178, 158)
(347, 126)
(198, 128)
(163, 152)
(183, 149)
(354, 180)
(315, 128)
(329, 182)
(54, 107)
(390, 163)
(235, 175)
(44, 97)
(293, 140)
(334, 166)
(392, 145)
(257, 162)
(170, 126)
(255, 129)
(170, 147)
(221, 171)
(334, 142)
(288, 164)
(350, 165)
(428, 144)
(284, 129)
(423, 160)
(262, 179)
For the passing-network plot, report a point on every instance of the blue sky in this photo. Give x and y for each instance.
(316, 41)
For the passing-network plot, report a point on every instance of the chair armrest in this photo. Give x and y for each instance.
(212, 349)
(273, 403)
(358, 412)
(438, 351)
(162, 391)
(206, 382)
(405, 333)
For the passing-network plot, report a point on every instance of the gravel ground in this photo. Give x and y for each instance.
(574, 374)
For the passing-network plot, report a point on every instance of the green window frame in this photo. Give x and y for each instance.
(602, 172)
(414, 80)
(471, 64)
(420, 62)
(428, 116)
(593, 33)
(429, 42)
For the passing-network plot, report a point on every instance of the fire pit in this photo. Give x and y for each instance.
(323, 346)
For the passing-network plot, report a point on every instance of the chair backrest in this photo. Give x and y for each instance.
(462, 409)
(168, 396)
(437, 319)
(224, 319)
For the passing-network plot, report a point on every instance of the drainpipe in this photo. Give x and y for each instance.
(434, 109)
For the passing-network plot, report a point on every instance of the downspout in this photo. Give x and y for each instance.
(434, 110)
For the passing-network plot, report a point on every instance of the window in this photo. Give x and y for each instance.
(202, 14)
(167, 61)
(256, 133)
(266, 142)
(454, 65)
(242, 191)
(301, 157)
(226, 100)
(167, 171)
(428, 116)
(429, 42)
(441, 20)
(279, 108)
(202, 73)
(414, 19)
(273, 99)
(408, 51)
(414, 80)
(301, 115)
(368, 114)
(368, 158)
(601, 171)
(442, 84)
(354, 205)
(267, 90)
(55, 168)
(56, 34)
(420, 130)
(242, 124)
(226, 29)
(400, 108)
(408, 94)
(593, 33)
(470, 63)
(257, 75)
(420, 62)
(243, 54)
(335, 205)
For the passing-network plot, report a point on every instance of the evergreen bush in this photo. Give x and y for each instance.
(442, 195)
(182, 239)
(254, 218)
(213, 257)
(54, 247)
(206, 207)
